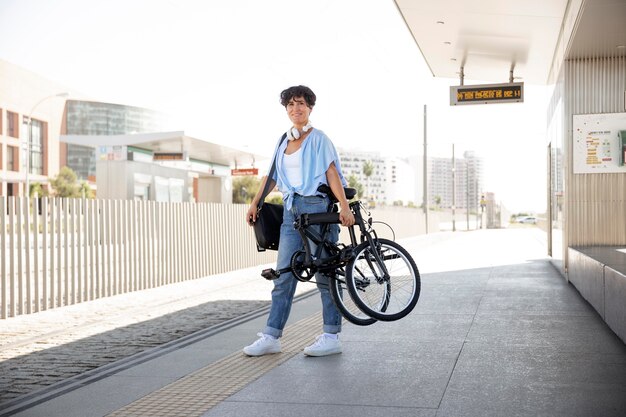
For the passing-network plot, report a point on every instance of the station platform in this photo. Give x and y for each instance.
(497, 332)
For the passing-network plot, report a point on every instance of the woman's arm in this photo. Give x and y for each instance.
(251, 214)
(334, 182)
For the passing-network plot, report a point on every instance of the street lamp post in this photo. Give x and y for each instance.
(30, 138)
(453, 190)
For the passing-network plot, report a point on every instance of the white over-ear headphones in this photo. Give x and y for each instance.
(294, 134)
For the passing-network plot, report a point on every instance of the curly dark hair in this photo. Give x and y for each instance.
(298, 91)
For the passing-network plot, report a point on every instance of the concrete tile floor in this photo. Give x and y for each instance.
(497, 332)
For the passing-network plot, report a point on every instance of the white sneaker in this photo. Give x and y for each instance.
(263, 346)
(323, 346)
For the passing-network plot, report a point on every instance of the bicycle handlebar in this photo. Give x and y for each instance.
(319, 218)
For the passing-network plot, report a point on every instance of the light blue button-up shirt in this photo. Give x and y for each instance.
(316, 156)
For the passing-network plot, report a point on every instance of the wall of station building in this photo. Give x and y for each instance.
(596, 203)
(586, 209)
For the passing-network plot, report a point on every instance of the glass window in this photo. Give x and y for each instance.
(36, 145)
(12, 127)
(176, 190)
(82, 159)
(142, 192)
(142, 186)
(161, 188)
(11, 158)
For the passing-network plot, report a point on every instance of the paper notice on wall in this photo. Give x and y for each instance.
(597, 145)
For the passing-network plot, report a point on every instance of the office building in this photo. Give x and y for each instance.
(45, 126)
(465, 173)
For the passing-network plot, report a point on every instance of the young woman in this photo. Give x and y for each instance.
(303, 162)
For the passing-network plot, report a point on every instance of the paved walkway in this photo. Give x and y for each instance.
(39, 350)
(497, 332)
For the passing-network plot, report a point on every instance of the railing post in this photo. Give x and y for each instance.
(36, 301)
(4, 254)
(20, 256)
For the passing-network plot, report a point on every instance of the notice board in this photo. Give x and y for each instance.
(597, 143)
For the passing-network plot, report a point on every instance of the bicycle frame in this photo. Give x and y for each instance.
(338, 258)
(360, 267)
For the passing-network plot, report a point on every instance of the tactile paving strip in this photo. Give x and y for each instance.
(200, 391)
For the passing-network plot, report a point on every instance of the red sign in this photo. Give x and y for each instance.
(244, 171)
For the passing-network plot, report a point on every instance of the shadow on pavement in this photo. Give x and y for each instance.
(35, 371)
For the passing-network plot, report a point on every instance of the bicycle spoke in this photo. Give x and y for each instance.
(387, 296)
(346, 305)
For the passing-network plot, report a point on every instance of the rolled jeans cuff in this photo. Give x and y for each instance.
(332, 329)
(273, 332)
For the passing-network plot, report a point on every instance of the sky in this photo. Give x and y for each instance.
(218, 66)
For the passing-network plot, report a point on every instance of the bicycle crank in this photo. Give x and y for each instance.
(298, 269)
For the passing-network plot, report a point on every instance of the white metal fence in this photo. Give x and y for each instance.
(57, 252)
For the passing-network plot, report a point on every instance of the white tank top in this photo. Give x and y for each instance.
(293, 170)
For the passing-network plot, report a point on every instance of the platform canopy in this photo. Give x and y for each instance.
(172, 142)
(491, 38)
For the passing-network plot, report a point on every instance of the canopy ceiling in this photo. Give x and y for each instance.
(490, 38)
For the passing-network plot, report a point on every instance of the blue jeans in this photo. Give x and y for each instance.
(285, 285)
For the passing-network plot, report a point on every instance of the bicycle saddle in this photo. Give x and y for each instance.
(350, 192)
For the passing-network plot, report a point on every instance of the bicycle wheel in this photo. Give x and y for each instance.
(345, 304)
(388, 293)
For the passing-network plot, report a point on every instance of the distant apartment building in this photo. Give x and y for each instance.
(404, 181)
(352, 163)
(466, 175)
(392, 180)
(29, 152)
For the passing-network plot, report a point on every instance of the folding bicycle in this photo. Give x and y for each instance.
(370, 279)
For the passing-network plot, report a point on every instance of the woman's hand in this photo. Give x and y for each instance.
(334, 182)
(251, 215)
(346, 217)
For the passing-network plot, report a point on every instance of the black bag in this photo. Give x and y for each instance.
(269, 217)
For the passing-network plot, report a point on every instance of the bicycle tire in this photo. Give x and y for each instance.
(383, 298)
(346, 305)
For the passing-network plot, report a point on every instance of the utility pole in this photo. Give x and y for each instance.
(467, 193)
(453, 190)
(476, 202)
(425, 198)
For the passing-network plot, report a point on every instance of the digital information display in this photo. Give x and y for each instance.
(487, 94)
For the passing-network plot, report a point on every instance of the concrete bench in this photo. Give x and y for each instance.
(599, 274)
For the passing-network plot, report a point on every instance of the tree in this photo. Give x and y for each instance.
(275, 199)
(85, 190)
(368, 170)
(65, 184)
(353, 182)
(245, 188)
(37, 190)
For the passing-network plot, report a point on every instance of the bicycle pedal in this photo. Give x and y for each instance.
(270, 274)
(346, 254)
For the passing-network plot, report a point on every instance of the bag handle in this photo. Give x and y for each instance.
(266, 189)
